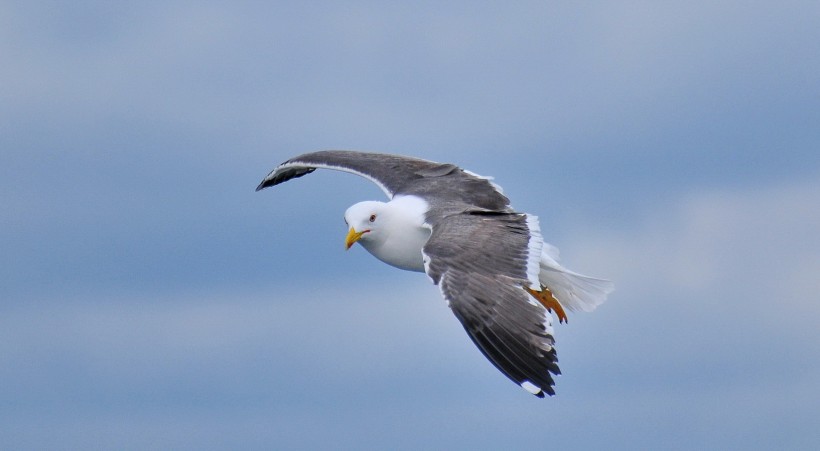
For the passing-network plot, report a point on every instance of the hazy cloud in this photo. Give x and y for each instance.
(149, 298)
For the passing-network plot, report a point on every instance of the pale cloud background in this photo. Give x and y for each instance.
(150, 299)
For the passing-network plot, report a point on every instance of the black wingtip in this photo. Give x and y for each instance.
(280, 175)
(265, 183)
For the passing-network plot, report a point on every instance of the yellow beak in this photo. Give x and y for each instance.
(353, 236)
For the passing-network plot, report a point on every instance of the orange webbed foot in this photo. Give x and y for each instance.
(546, 299)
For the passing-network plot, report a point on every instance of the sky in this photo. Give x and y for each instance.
(150, 299)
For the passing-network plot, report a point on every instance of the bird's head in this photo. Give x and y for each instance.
(365, 220)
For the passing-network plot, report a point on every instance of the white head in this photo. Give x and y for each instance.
(367, 222)
(394, 232)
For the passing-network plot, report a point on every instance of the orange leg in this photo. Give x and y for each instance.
(546, 299)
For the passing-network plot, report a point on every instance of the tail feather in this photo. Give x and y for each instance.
(574, 291)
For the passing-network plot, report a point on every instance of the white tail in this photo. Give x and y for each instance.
(574, 291)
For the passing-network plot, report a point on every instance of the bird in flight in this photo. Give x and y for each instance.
(498, 276)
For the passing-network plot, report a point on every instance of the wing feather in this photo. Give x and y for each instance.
(480, 264)
(397, 174)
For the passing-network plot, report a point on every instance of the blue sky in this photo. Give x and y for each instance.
(149, 298)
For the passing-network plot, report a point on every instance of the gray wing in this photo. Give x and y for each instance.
(396, 174)
(480, 262)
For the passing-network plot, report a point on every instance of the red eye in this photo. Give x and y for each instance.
(372, 218)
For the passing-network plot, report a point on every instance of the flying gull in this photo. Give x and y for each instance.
(499, 277)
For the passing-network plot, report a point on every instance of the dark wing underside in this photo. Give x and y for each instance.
(479, 262)
(396, 174)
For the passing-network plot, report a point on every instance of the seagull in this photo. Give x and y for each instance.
(498, 276)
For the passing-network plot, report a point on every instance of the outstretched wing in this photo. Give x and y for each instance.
(390, 172)
(482, 262)
(396, 174)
